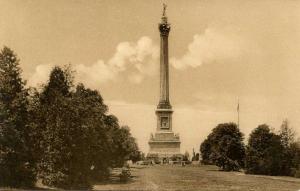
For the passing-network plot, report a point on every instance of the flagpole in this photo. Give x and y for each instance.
(238, 112)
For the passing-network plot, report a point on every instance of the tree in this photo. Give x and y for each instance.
(264, 152)
(195, 156)
(186, 156)
(124, 146)
(290, 153)
(79, 142)
(287, 134)
(57, 123)
(16, 162)
(205, 150)
(224, 147)
(92, 140)
(295, 149)
(72, 139)
(287, 137)
(136, 156)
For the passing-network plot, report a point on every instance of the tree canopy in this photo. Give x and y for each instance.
(61, 134)
(224, 147)
(16, 163)
(79, 140)
(264, 152)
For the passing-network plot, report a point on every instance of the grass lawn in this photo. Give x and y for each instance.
(204, 178)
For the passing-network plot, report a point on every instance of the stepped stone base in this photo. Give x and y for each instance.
(164, 145)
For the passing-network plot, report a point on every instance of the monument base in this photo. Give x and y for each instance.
(164, 147)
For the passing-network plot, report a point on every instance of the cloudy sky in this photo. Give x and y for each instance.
(219, 51)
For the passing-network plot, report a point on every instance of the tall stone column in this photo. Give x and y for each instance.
(164, 109)
(164, 144)
(164, 28)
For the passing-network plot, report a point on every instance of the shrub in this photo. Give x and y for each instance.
(125, 174)
(297, 174)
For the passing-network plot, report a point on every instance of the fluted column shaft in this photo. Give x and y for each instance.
(164, 28)
(164, 70)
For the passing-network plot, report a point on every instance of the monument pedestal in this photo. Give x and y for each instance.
(164, 144)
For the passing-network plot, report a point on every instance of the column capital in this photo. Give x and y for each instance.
(164, 29)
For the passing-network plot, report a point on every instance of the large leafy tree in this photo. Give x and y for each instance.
(78, 141)
(72, 134)
(124, 146)
(93, 141)
(224, 147)
(16, 161)
(53, 120)
(264, 153)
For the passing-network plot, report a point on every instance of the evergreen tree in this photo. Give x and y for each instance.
(287, 134)
(290, 153)
(16, 161)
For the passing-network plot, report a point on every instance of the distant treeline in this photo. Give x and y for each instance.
(267, 152)
(60, 133)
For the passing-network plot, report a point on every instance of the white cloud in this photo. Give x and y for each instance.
(41, 75)
(140, 57)
(208, 47)
(94, 74)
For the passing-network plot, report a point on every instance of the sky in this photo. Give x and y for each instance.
(220, 52)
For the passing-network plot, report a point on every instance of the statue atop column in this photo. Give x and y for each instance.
(164, 9)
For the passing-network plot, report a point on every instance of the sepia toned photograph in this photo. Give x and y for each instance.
(142, 95)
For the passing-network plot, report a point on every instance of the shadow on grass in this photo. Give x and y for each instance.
(220, 170)
(32, 188)
(39, 188)
(139, 167)
(116, 180)
(215, 170)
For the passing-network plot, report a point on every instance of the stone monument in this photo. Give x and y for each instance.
(164, 144)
